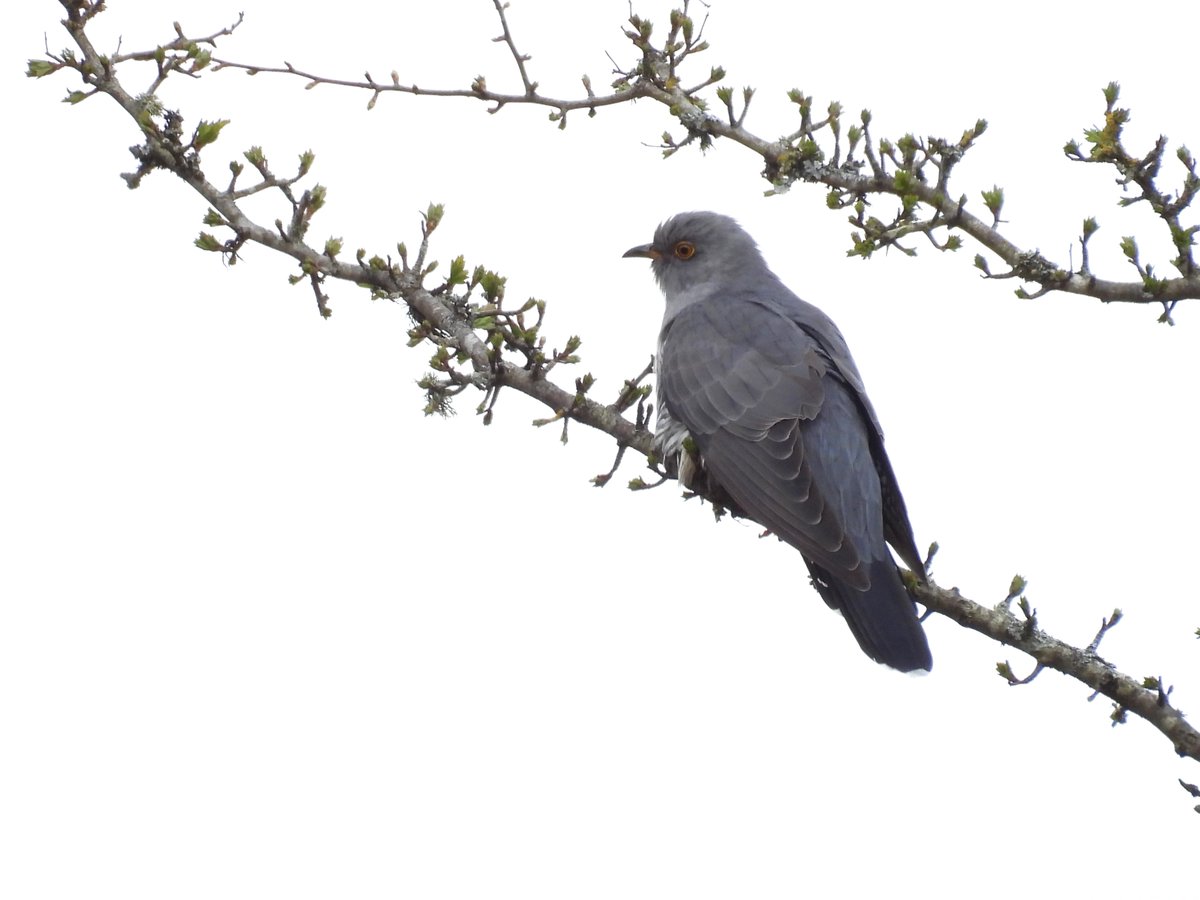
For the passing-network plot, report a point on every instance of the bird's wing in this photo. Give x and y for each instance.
(897, 529)
(750, 385)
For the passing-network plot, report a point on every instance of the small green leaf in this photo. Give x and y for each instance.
(492, 286)
(994, 200)
(40, 68)
(333, 246)
(207, 242)
(207, 132)
(458, 272)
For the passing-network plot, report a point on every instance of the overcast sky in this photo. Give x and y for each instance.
(267, 631)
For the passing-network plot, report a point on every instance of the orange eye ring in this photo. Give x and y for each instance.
(684, 250)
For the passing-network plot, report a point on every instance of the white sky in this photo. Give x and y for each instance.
(268, 632)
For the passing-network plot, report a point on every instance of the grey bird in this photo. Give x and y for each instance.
(761, 387)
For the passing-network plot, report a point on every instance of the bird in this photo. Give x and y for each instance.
(761, 408)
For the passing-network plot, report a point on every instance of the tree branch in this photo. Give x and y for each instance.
(1142, 698)
(916, 172)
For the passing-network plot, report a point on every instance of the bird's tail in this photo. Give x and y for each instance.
(883, 618)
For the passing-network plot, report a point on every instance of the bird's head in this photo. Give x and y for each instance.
(695, 250)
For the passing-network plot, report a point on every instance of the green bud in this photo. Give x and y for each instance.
(433, 216)
(207, 132)
(994, 200)
(316, 197)
(39, 68)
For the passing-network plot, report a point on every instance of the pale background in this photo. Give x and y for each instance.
(267, 632)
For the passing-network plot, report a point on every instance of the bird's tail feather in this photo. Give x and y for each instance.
(883, 618)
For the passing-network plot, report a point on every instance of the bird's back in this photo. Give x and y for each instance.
(771, 396)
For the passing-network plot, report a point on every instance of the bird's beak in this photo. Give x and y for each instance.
(647, 250)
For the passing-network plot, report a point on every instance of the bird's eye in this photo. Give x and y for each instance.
(685, 250)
